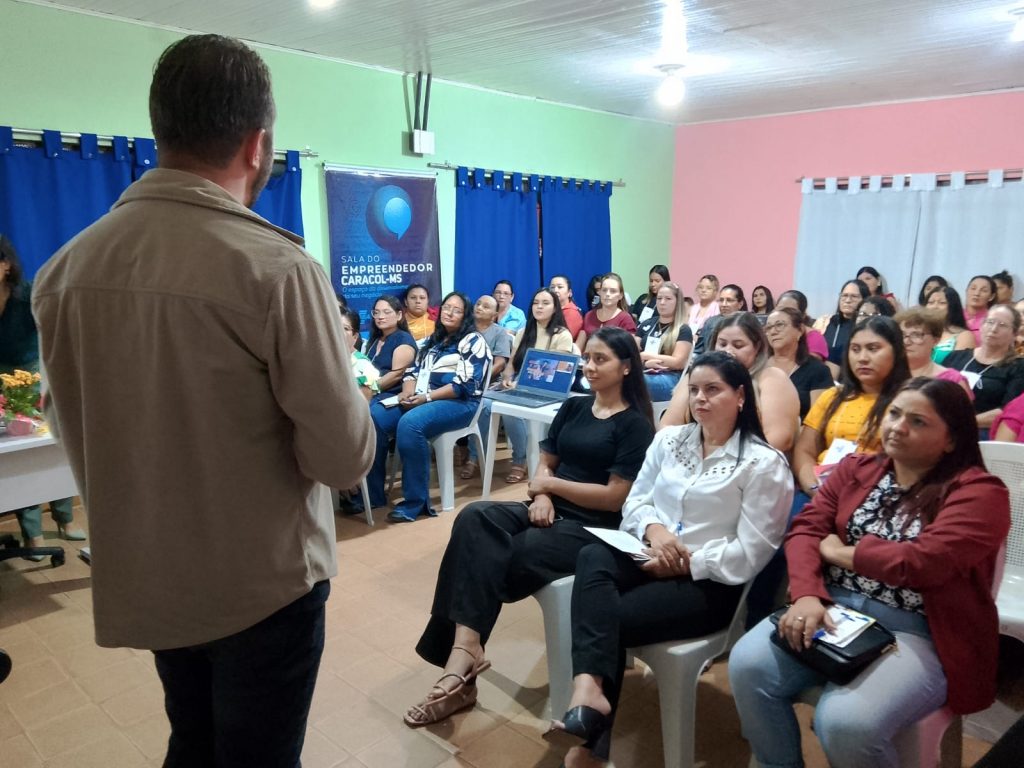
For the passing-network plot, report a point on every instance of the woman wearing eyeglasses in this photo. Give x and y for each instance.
(993, 370)
(787, 338)
(837, 327)
(439, 394)
(391, 347)
(921, 328)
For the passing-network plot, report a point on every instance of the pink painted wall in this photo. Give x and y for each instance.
(736, 206)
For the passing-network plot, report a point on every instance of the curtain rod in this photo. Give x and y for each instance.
(450, 167)
(67, 137)
(941, 179)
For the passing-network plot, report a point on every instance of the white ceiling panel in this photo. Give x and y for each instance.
(778, 55)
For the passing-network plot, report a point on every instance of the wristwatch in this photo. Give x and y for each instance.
(428, 395)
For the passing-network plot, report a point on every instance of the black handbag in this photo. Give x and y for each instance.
(839, 665)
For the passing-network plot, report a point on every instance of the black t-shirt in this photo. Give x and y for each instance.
(812, 374)
(837, 336)
(653, 325)
(590, 450)
(19, 339)
(998, 385)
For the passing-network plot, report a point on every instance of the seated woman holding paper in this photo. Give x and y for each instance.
(503, 552)
(439, 394)
(711, 501)
(910, 538)
(740, 335)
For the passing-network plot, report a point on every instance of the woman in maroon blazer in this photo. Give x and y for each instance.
(911, 538)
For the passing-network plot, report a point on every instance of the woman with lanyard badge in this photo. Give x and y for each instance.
(665, 342)
(440, 394)
(993, 370)
(645, 307)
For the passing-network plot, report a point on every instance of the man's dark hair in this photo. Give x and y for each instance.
(208, 93)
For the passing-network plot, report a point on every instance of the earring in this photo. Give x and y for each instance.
(739, 407)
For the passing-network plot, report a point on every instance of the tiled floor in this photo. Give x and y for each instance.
(70, 703)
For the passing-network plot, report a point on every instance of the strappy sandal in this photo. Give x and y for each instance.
(469, 470)
(436, 708)
(516, 474)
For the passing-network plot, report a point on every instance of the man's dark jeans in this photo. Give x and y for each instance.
(243, 700)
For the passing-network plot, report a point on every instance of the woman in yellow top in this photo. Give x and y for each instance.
(873, 369)
(417, 302)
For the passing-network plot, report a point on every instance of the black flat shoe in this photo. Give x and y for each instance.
(580, 726)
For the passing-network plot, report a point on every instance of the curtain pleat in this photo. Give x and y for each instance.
(576, 223)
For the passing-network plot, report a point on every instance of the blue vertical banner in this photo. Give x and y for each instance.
(383, 235)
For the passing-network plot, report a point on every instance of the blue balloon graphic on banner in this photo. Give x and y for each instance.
(389, 215)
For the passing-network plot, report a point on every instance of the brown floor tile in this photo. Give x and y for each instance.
(409, 748)
(27, 679)
(9, 726)
(373, 672)
(43, 706)
(320, 752)
(115, 751)
(18, 751)
(150, 735)
(506, 748)
(86, 660)
(135, 705)
(360, 725)
(120, 677)
(71, 730)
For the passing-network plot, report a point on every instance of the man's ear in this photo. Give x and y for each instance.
(252, 148)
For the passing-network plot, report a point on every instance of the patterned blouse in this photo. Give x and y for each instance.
(461, 365)
(880, 515)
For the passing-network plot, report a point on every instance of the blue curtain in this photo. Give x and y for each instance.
(280, 201)
(495, 234)
(48, 194)
(576, 227)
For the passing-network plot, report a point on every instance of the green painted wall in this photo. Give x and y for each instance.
(75, 72)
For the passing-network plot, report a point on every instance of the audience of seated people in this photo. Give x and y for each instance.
(905, 434)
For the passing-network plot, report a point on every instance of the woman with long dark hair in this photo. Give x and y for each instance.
(561, 286)
(787, 338)
(836, 328)
(439, 394)
(873, 280)
(909, 537)
(946, 301)
(19, 350)
(502, 552)
(730, 301)
(761, 303)
(644, 308)
(544, 329)
(930, 284)
(736, 491)
(390, 347)
(795, 299)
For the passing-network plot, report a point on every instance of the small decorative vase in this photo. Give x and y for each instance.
(20, 426)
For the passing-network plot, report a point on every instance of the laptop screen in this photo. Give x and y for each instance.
(544, 371)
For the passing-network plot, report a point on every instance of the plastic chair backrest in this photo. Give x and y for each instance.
(1006, 461)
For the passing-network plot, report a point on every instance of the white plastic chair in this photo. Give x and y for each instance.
(444, 451)
(366, 495)
(659, 407)
(1006, 461)
(677, 666)
(555, 605)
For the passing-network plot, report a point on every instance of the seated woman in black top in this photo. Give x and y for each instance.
(503, 552)
(837, 327)
(787, 336)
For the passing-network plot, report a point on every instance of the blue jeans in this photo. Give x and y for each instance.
(243, 700)
(31, 518)
(660, 385)
(413, 431)
(516, 429)
(855, 723)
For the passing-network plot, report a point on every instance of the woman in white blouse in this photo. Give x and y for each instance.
(711, 502)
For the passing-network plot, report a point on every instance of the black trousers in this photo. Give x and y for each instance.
(615, 606)
(494, 556)
(242, 701)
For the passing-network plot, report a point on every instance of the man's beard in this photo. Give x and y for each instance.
(266, 166)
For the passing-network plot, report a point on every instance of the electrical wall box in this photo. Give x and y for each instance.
(423, 142)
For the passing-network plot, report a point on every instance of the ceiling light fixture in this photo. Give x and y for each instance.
(672, 90)
(322, 5)
(1017, 14)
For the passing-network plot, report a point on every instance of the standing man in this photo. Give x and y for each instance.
(201, 387)
(510, 318)
(485, 311)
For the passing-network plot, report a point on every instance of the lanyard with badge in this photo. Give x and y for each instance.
(652, 345)
(974, 379)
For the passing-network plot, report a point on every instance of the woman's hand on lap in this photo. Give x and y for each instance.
(803, 619)
(542, 511)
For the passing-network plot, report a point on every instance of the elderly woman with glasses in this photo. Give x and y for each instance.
(922, 329)
(993, 370)
(440, 393)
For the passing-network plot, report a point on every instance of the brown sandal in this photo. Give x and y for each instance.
(516, 474)
(439, 706)
(469, 470)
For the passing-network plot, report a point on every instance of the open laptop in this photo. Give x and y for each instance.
(546, 377)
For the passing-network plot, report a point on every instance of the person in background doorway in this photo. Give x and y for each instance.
(561, 286)
(19, 350)
(510, 317)
(645, 307)
(417, 302)
(199, 377)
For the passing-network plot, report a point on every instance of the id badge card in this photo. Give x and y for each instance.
(423, 381)
(653, 344)
(645, 314)
(972, 378)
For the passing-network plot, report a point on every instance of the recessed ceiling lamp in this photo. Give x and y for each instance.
(322, 5)
(672, 56)
(1017, 14)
